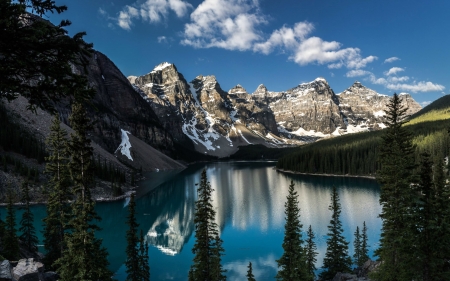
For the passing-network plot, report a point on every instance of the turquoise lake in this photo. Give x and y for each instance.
(249, 202)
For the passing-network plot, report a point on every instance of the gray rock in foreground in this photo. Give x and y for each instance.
(29, 270)
(5, 271)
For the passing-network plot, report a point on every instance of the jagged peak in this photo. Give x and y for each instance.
(238, 87)
(261, 89)
(320, 79)
(161, 66)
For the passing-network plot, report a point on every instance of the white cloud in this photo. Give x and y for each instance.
(357, 73)
(378, 81)
(415, 87)
(102, 12)
(162, 39)
(227, 24)
(125, 16)
(393, 71)
(153, 11)
(233, 25)
(392, 59)
(395, 79)
(285, 37)
(425, 103)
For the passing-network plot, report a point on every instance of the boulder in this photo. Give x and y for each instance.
(29, 270)
(345, 277)
(5, 271)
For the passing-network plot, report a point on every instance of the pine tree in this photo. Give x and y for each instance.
(357, 246)
(207, 249)
(38, 56)
(442, 221)
(58, 208)
(292, 263)
(144, 268)
(132, 261)
(11, 241)
(336, 258)
(250, 276)
(311, 253)
(83, 258)
(397, 196)
(431, 238)
(27, 229)
(364, 245)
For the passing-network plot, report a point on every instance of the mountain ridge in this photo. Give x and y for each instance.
(217, 122)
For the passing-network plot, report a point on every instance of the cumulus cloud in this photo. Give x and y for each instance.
(392, 59)
(153, 11)
(393, 71)
(285, 37)
(227, 24)
(234, 25)
(125, 17)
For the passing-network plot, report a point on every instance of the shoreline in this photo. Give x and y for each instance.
(325, 175)
(100, 199)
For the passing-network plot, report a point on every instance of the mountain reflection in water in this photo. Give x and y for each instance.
(249, 202)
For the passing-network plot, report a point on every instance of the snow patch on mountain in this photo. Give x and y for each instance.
(379, 113)
(243, 137)
(160, 67)
(125, 145)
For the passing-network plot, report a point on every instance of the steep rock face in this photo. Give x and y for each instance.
(364, 108)
(118, 106)
(255, 116)
(201, 112)
(168, 94)
(309, 107)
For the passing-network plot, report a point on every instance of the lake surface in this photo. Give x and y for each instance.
(249, 202)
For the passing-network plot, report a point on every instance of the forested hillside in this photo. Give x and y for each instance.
(357, 154)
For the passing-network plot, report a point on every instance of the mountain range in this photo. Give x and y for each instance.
(218, 122)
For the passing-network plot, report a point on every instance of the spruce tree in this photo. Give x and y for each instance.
(83, 258)
(144, 268)
(11, 241)
(58, 209)
(442, 221)
(27, 229)
(357, 248)
(292, 263)
(311, 253)
(336, 258)
(207, 248)
(397, 196)
(132, 261)
(250, 276)
(431, 236)
(364, 245)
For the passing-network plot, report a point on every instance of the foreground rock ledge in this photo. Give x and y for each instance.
(25, 270)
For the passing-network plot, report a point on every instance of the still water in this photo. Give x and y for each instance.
(249, 202)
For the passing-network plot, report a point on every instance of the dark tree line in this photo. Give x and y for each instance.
(358, 154)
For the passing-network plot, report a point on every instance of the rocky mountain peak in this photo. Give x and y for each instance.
(238, 89)
(162, 66)
(261, 90)
(359, 89)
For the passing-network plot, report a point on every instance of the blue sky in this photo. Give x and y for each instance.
(389, 46)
